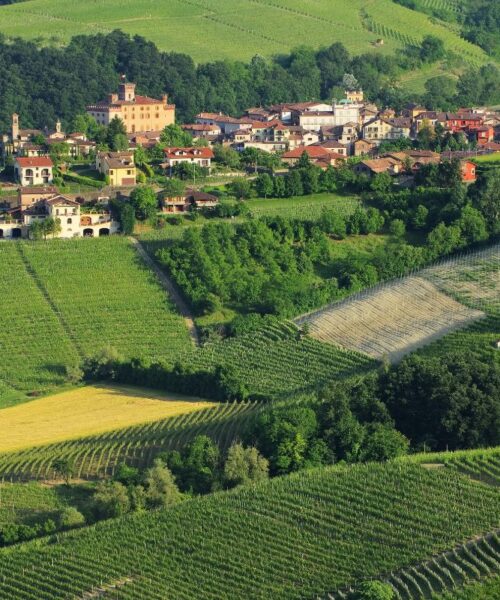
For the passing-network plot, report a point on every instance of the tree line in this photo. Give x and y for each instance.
(43, 84)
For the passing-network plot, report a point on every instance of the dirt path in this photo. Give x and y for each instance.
(171, 289)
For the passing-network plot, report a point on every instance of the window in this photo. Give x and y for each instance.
(69, 221)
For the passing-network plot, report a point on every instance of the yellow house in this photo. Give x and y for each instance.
(118, 167)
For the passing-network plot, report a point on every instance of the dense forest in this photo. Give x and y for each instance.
(42, 84)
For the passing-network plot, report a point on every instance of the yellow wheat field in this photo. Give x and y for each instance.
(87, 411)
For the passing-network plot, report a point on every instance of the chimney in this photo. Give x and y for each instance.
(15, 126)
(164, 99)
(112, 98)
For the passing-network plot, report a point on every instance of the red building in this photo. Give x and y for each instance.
(468, 171)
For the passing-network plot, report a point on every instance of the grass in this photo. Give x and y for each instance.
(87, 411)
(226, 29)
(67, 299)
(487, 158)
(30, 503)
(299, 536)
(303, 207)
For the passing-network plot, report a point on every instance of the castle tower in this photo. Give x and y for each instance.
(58, 126)
(15, 126)
(126, 92)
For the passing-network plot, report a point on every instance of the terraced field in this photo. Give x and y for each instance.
(98, 455)
(298, 536)
(400, 316)
(216, 29)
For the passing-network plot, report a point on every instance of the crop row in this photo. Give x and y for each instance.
(98, 455)
(292, 537)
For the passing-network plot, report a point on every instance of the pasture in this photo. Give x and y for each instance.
(226, 29)
(298, 536)
(87, 411)
(64, 300)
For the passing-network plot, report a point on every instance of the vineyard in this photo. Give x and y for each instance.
(67, 299)
(218, 29)
(292, 537)
(278, 360)
(98, 455)
(303, 207)
(88, 410)
(400, 316)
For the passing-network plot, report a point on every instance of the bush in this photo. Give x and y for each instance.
(70, 517)
(111, 500)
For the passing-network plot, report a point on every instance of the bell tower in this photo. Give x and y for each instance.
(15, 126)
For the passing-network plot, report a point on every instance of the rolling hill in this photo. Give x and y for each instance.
(301, 536)
(230, 29)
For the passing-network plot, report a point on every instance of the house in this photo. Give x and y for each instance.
(118, 168)
(199, 156)
(355, 96)
(33, 170)
(348, 134)
(138, 113)
(74, 220)
(364, 148)
(191, 199)
(199, 130)
(379, 165)
(482, 135)
(315, 153)
(28, 196)
(382, 129)
(333, 146)
(261, 114)
(225, 123)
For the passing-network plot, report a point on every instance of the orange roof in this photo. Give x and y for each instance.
(34, 161)
(311, 151)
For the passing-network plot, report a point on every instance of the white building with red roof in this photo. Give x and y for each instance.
(199, 156)
(33, 170)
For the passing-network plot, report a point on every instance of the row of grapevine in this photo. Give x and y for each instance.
(290, 538)
(98, 455)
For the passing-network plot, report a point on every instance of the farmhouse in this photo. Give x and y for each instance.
(118, 168)
(201, 157)
(74, 220)
(35, 170)
(138, 113)
(187, 201)
(364, 148)
(379, 165)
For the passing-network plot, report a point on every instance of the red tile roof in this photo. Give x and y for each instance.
(196, 152)
(34, 161)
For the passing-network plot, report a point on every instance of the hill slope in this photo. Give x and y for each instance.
(218, 29)
(293, 537)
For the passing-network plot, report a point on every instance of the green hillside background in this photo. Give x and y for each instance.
(219, 29)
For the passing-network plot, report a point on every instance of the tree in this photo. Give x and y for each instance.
(241, 188)
(173, 136)
(110, 500)
(397, 228)
(333, 223)
(226, 156)
(279, 187)
(431, 49)
(36, 230)
(293, 182)
(144, 202)
(70, 517)
(373, 590)
(244, 465)
(349, 82)
(441, 92)
(198, 468)
(174, 187)
(264, 185)
(115, 128)
(65, 468)
(472, 225)
(381, 183)
(161, 490)
(51, 226)
(119, 142)
(382, 442)
(127, 218)
(419, 219)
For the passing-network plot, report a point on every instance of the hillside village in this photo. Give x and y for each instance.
(349, 132)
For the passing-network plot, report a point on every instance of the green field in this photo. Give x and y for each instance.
(299, 536)
(303, 207)
(218, 29)
(64, 300)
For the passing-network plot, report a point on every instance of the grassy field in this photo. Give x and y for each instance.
(303, 207)
(299, 536)
(218, 29)
(87, 411)
(487, 158)
(67, 299)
